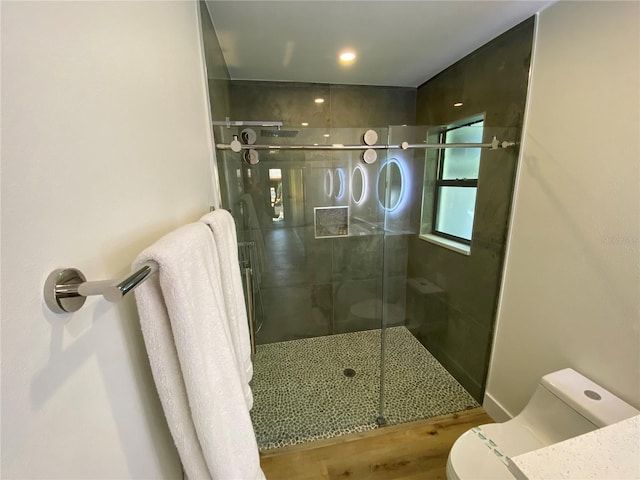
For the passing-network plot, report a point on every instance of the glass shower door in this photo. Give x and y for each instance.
(314, 224)
(396, 194)
(414, 385)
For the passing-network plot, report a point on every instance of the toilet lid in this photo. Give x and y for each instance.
(479, 453)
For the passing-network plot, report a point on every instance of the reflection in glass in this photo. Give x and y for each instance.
(339, 183)
(328, 183)
(275, 194)
(358, 185)
(390, 185)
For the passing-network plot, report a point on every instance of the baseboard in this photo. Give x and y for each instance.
(495, 409)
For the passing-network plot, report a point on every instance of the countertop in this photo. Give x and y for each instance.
(611, 452)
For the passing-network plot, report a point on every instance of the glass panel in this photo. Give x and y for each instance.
(366, 312)
(397, 346)
(455, 211)
(316, 229)
(358, 184)
(391, 185)
(462, 163)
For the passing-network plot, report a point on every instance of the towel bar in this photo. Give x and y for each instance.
(66, 289)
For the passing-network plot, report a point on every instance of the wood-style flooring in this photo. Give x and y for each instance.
(416, 450)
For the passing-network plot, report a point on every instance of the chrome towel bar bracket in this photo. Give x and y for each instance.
(66, 289)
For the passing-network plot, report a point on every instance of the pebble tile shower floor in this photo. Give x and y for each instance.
(301, 392)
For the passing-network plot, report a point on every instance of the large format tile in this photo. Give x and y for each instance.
(289, 313)
(492, 80)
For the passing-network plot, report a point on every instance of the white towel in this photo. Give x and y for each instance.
(188, 341)
(224, 233)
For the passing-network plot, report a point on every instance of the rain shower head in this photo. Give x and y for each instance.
(272, 133)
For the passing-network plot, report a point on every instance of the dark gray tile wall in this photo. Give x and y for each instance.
(330, 285)
(345, 105)
(459, 317)
(217, 72)
(218, 81)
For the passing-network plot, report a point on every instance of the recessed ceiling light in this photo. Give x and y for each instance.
(347, 56)
(326, 135)
(319, 100)
(304, 124)
(458, 104)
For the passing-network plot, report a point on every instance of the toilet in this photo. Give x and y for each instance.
(564, 405)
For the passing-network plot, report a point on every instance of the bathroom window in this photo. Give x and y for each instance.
(451, 184)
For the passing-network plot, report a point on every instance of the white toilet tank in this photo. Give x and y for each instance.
(564, 405)
(567, 404)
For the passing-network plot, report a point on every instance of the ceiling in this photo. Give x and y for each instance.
(398, 43)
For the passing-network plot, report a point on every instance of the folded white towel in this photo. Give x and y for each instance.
(224, 233)
(189, 344)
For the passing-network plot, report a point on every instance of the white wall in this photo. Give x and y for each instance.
(571, 288)
(105, 147)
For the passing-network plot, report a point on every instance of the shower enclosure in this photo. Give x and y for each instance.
(324, 231)
(314, 224)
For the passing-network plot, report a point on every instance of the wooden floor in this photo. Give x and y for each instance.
(416, 450)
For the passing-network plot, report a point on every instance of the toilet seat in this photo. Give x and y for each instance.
(558, 410)
(483, 452)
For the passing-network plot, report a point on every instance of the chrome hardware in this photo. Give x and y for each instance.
(60, 290)
(65, 290)
(248, 136)
(370, 137)
(491, 146)
(369, 156)
(227, 122)
(236, 147)
(251, 157)
(235, 144)
(223, 146)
